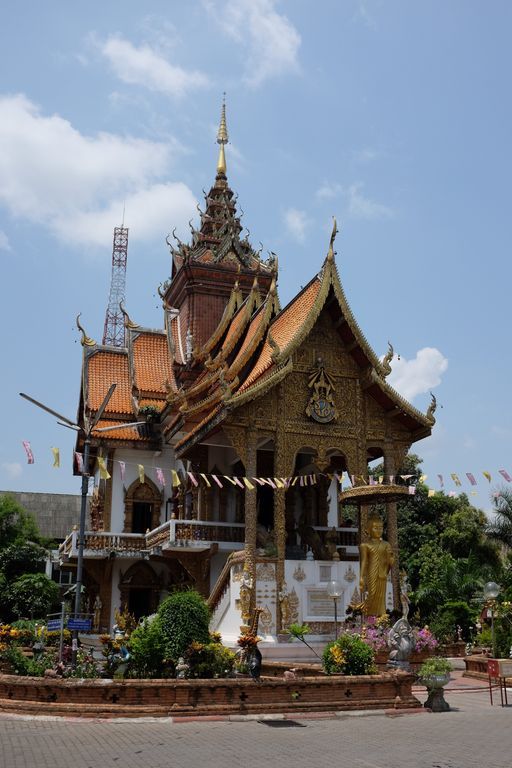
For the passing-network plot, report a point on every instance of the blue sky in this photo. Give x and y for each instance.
(395, 117)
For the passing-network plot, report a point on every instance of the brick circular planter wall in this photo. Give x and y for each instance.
(163, 698)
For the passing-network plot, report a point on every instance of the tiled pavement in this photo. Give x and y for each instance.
(472, 735)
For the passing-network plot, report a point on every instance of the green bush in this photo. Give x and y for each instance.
(349, 655)
(209, 660)
(183, 618)
(32, 595)
(452, 614)
(14, 658)
(147, 649)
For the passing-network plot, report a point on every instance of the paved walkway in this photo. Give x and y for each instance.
(472, 735)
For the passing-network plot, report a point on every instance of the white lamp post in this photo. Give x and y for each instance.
(491, 592)
(335, 590)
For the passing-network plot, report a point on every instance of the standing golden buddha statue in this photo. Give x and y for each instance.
(376, 559)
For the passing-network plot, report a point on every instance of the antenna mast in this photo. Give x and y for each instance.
(113, 333)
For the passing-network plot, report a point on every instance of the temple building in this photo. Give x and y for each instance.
(247, 475)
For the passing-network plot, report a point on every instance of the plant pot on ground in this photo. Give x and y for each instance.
(435, 674)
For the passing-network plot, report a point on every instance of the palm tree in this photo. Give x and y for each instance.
(500, 529)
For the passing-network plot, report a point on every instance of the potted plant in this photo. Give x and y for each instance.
(434, 674)
(150, 414)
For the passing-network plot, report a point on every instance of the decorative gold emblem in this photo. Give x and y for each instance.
(299, 573)
(321, 405)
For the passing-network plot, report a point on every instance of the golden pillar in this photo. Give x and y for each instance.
(250, 510)
(392, 533)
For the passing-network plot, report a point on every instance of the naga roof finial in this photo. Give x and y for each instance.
(128, 322)
(388, 357)
(222, 139)
(85, 341)
(330, 252)
(431, 409)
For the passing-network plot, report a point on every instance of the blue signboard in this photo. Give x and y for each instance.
(54, 625)
(82, 625)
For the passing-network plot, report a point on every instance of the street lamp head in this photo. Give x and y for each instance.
(491, 590)
(334, 589)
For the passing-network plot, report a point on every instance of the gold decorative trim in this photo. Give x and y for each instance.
(373, 494)
(86, 340)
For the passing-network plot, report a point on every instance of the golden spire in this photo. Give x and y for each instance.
(330, 252)
(222, 138)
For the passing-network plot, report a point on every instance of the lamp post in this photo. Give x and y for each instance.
(335, 590)
(491, 592)
(89, 425)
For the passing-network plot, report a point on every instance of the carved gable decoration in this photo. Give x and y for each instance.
(321, 405)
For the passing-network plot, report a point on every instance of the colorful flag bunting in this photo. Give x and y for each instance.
(122, 468)
(205, 479)
(441, 481)
(431, 492)
(79, 461)
(194, 481)
(56, 457)
(28, 451)
(216, 479)
(160, 476)
(412, 490)
(487, 476)
(455, 479)
(175, 478)
(505, 475)
(470, 476)
(248, 483)
(104, 473)
(142, 476)
(423, 478)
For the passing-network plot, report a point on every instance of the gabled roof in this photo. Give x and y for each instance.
(265, 356)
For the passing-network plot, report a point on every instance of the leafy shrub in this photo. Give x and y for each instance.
(32, 595)
(434, 667)
(86, 667)
(37, 666)
(349, 655)
(451, 615)
(209, 660)
(147, 650)
(14, 658)
(183, 618)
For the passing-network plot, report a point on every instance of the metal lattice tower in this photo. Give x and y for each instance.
(113, 333)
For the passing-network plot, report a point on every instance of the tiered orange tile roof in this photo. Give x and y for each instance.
(103, 368)
(151, 362)
(123, 433)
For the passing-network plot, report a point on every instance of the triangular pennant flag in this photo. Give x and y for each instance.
(142, 474)
(470, 476)
(238, 482)
(230, 479)
(352, 480)
(423, 479)
(391, 479)
(160, 476)
(205, 479)
(455, 479)
(452, 494)
(412, 490)
(271, 483)
(258, 480)
(405, 477)
(79, 461)
(175, 478)
(104, 473)
(248, 483)
(487, 475)
(122, 468)
(505, 475)
(278, 482)
(56, 457)
(312, 479)
(216, 479)
(381, 479)
(193, 479)
(294, 480)
(473, 493)
(441, 481)
(431, 493)
(28, 451)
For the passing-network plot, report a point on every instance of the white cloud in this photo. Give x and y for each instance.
(13, 469)
(365, 155)
(328, 190)
(296, 223)
(271, 41)
(413, 377)
(145, 66)
(4, 242)
(73, 184)
(361, 207)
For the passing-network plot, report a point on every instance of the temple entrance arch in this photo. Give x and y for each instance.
(142, 507)
(140, 589)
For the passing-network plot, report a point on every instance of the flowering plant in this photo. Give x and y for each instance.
(424, 640)
(248, 641)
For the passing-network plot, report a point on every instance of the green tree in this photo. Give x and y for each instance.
(184, 617)
(500, 529)
(16, 524)
(18, 559)
(31, 595)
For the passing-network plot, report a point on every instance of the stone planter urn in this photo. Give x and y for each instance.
(435, 686)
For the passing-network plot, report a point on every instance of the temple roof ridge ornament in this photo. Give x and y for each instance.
(386, 362)
(432, 409)
(222, 140)
(86, 340)
(128, 322)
